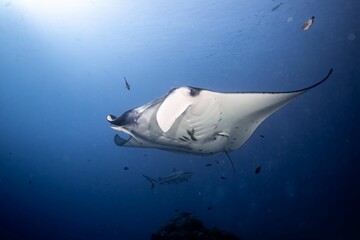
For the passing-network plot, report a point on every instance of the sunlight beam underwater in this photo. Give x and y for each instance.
(200, 121)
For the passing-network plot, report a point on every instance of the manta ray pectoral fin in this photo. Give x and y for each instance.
(316, 84)
(177, 101)
(253, 108)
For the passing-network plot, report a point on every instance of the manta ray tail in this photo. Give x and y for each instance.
(232, 164)
(151, 180)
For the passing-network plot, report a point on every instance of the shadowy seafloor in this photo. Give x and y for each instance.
(188, 226)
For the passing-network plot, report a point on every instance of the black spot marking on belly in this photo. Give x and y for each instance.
(191, 134)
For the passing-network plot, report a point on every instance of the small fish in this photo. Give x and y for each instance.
(127, 84)
(208, 165)
(176, 210)
(126, 168)
(30, 182)
(209, 208)
(258, 170)
(276, 7)
(308, 23)
(262, 136)
(223, 178)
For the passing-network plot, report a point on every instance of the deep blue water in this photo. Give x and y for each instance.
(61, 72)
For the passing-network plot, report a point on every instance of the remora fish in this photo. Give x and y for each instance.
(177, 176)
(200, 121)
(276, 7)
(127, 84)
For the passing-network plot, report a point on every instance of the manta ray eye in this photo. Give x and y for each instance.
(194, 92)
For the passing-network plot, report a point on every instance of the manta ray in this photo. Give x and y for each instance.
(200, 121)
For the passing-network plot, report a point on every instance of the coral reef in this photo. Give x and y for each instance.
(187, 226)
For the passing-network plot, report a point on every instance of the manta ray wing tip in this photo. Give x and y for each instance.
(331, 70)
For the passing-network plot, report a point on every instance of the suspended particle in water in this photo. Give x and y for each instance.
(351, 37)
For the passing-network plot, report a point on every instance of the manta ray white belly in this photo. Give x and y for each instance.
(200, 121)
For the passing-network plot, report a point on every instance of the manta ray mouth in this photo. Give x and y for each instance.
(116, 124)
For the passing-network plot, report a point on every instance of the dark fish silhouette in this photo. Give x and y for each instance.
(208, 165)
(223, 178)
(209, 208)
(308, 23)
(262, 136)
(177, 176)
(276, 7)
(258, 170)
(127, 84)
(126, 168)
